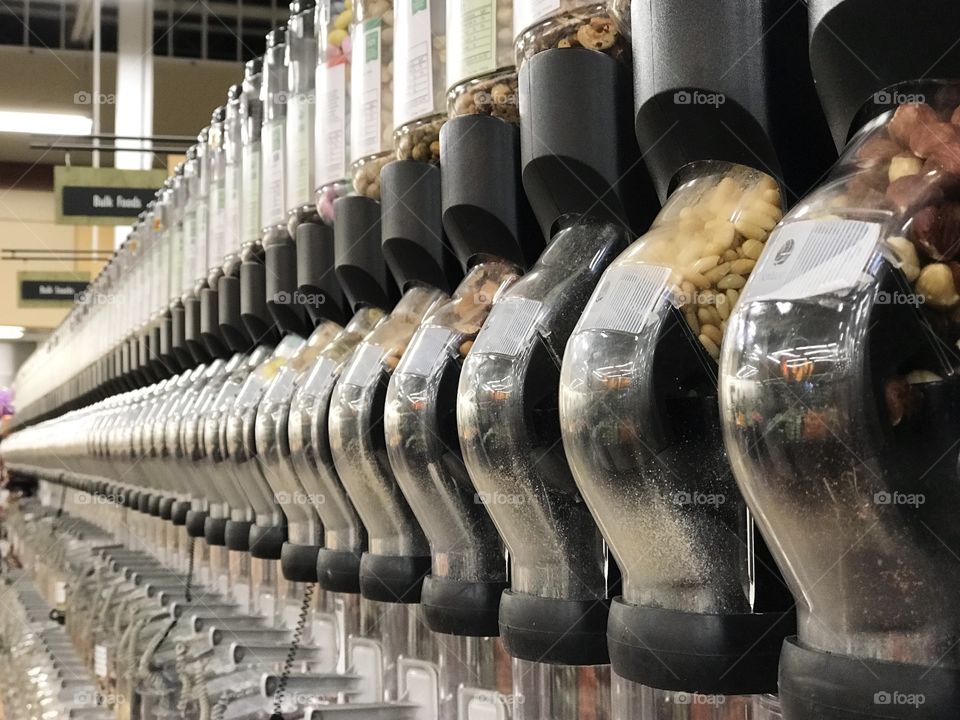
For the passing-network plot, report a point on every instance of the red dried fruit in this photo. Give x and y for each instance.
(935, 231)
(914, 191)
(955, 118)
(926, 139)
(908, 118)
(902, 399)
(946, 159)
(877, 149)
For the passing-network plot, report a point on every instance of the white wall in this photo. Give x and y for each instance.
(12, 354)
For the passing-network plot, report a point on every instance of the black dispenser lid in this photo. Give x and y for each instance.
(484, 209)
(722, 97)
(577, 141)
(859, 48)
(358, 253)
(414, 244)
(316, 278)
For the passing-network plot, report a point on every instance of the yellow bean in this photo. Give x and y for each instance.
(712, 332)
(706, 263)
(732, 281)
(718, 272)
(710, 346)
(743, 266)
(751, 249)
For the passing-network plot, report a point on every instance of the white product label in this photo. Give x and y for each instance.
(331, 122)
(366, 660)
(365, 135)
(300, 128)
(626, 298)
(419, 684)
(218, 220)
(200, 249)
(60, 592)
(166, 279)
(230, 239)
(480, 704)
(813, 257)
(271, 138)
(426, 351)
(413, 62)
(187, 236)
(250, 192)
(526, 14)
(511, 323)
(473, 34)
(100, 664)
(366, 363)
(281, 387)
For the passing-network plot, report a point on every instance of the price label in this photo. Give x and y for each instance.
(413, 62)
(331, 123)
(272, 140)
(813, 257)
(366, 364)
(626, 298)
(300, 128)
(100, 661)
(472, 23)
(428, 350)
(250, 192)
(512, 322)
(365, 133)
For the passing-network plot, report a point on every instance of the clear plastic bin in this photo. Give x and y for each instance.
(541, 26)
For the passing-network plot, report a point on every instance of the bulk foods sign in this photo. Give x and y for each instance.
(103, 196)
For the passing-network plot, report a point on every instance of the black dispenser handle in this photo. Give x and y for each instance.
(414, 245)
(484, 209)
(360, 266)
(316, 279)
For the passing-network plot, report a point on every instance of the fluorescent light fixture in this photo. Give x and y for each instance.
(44, 123)
(11, 332)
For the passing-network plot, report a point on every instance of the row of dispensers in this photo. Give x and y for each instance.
(455, 377)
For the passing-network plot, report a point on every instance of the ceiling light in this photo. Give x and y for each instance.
(11, 332)
(44, 123)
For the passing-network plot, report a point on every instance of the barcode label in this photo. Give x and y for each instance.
(365, 364)
(100, 665)
(511, 323)
(365, 134)
(427, 346)
(813, 257)
(626, 298)
(474, 24)
(413, 86)
(331, 117)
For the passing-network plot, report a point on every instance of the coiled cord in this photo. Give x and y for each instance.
(292, 652)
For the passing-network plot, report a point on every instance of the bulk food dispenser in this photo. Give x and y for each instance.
(838, 377)
(488, 225)
(287, 303)
(580, 173)
(399, 662)
(249, 123)
(703, 611)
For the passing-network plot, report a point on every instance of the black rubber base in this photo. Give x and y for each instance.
(558, 632)
(690, 652)
(178, 514)
(453, 607)
(237, 534)
(166, 508)
(215, 531)
(132, 500)
(196, 521)
(299, 562)
(153, 507)
(267, 542)
(338, 571)
(393, 578)
(143, 502)
(817, 685)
